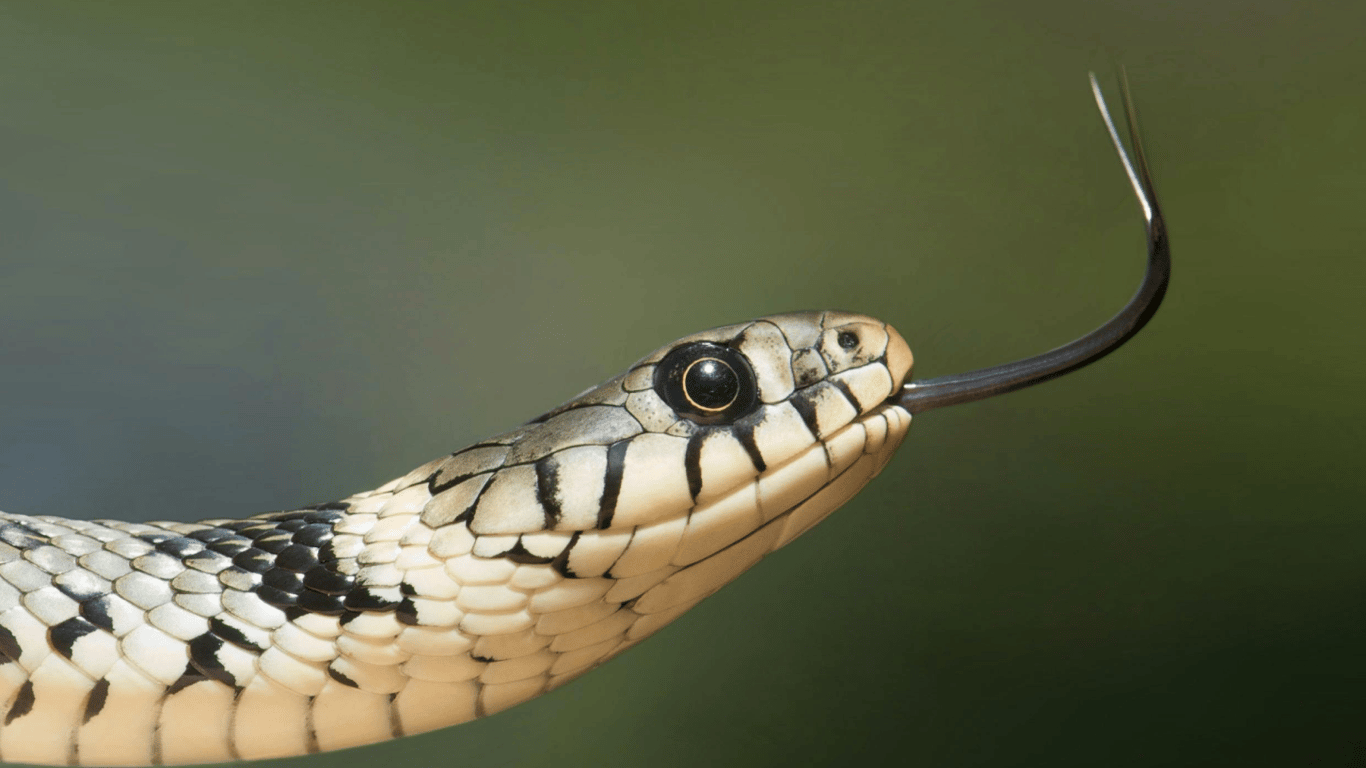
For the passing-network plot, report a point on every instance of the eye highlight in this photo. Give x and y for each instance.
(710, 384)
(707, 383)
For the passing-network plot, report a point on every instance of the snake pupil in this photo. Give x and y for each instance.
(848, 339)
(710, 384)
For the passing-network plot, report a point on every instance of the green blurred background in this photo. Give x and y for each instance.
(262, 254)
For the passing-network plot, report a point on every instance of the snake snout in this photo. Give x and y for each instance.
(899, 359)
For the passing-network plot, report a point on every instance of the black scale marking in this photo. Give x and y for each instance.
(406, 611)
(611, 488)
(561, 561)
(548, 489)
(9, 646)
(221, 630)
(204, 659)
(64, 635)
(23, 703)
(692, 463)
(291, 562)
(805, 404)
(189, 677)
(367, 600)
(519, 554)
(21, 536)
(94, 704)
(96, 612)
(290, 553)
(341, 678)
(745, 434)
(848, 393)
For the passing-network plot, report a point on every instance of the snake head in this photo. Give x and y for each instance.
(756, 429)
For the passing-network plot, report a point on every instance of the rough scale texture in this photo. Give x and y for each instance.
(471, 584)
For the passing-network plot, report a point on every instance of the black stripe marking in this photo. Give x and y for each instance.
(519, 554)
(611, 488)
(365, 599)
(316, 602)
(829, 460)
(437, 482)
(548, 489)
(156, 735)
(848, 393)
(232, 725)
(157, 758)
(561, 561)
(94, 703)
(233, 635)
(9, 646)
(468, 515)
(406, 612)
(339, 677)
(311, 729)
(97, 612)
(608, 573)
(805, 406)
(189, 677)
(395, 724)
(692, 463)
(327, 554)
(328, 581)
(23, 703)
(64, 635)
(446, 484)
(745, 434)
(204, 658)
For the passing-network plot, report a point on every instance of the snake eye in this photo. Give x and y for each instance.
(707, 383)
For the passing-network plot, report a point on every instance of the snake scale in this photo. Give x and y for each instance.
(481, 579)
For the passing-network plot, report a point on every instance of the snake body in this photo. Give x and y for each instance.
(484, 578)
(477, 581)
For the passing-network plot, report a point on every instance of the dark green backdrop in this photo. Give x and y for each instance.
(261, 254)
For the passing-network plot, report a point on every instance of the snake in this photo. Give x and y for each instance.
(488, 576)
